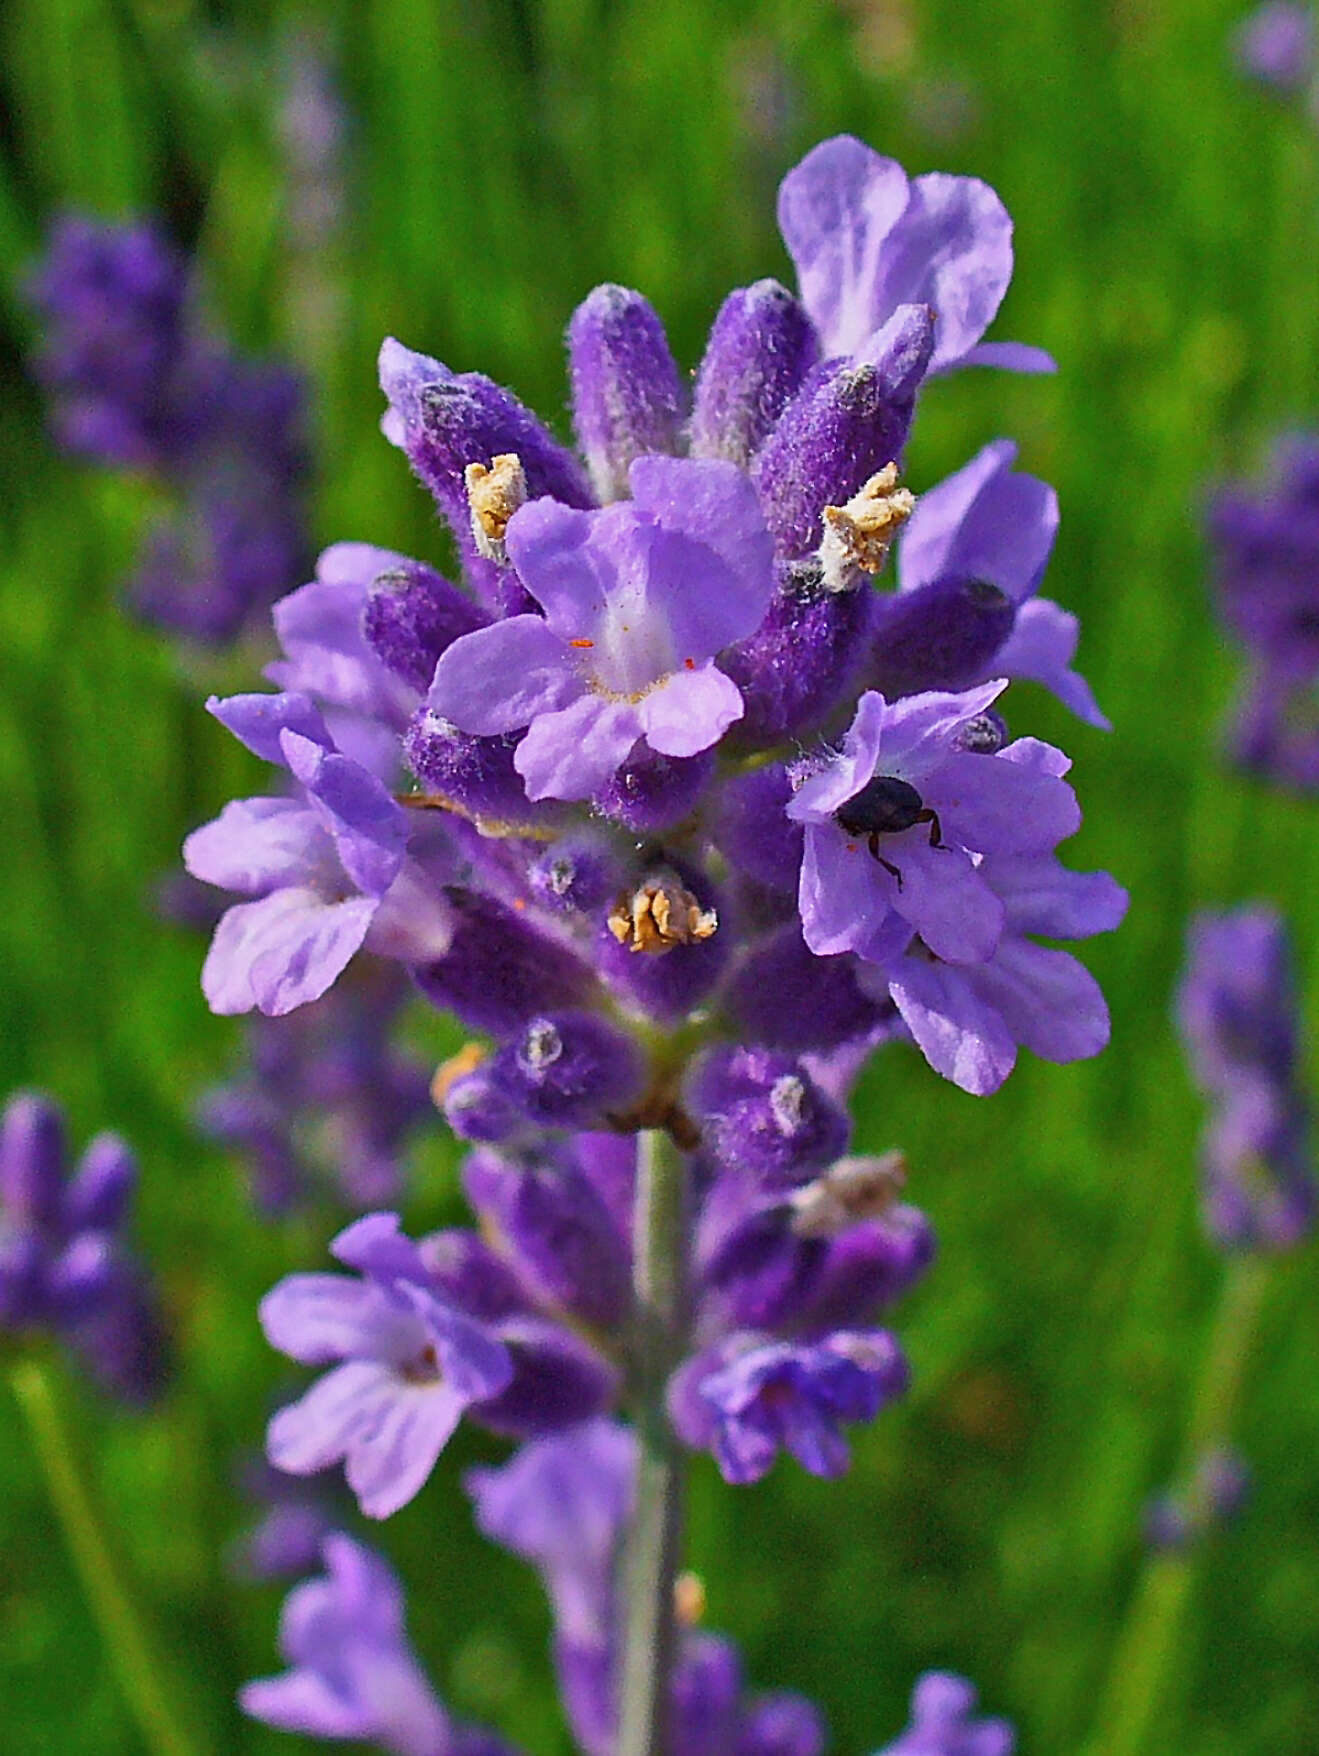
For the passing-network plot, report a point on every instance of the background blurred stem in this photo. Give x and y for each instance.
(1148, 1639)
(660, 1281)
(111, 1604)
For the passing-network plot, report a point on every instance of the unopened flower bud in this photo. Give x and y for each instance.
(760, 349)
(628, 395)
(848, 420)
(445, 420)
(32, 1150)
(941, 636)
(98, 1197)
(803, 658)
(411, 616)
(568, 1070)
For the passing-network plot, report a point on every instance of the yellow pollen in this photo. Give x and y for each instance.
(858, 535)
(660, 915)
(449, 1072)
(493, 496)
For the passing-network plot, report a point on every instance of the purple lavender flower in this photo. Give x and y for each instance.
(330, 869)
(750, 1398)
(893, 821)
(988, 522)
(1275, 45)
(563, 1504)
(65, 1266)
(1236, 1006)
(969, 1018)
(943, 1722)
(638, 599)
(865, 239)
(352, 1674)
(411, 1365)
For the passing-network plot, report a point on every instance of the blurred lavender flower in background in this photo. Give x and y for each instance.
(65, 1267)
(323, 1101)
(943, 1722)
(1275, 46)
(352, 1674)
(137, 380)
(1219, 1487)
(297, 1513)
(1237, 1009)
(1264, 551)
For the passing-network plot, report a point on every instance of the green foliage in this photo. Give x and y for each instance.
(504, 156)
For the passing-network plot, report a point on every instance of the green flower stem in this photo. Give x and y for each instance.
(112, 1607)
(1148, 1641)
(660, 1278)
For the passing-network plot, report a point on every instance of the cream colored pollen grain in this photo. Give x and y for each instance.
(493, 496)
(659, 915)
(852, 1189)
(858, 535)
(689, 1600)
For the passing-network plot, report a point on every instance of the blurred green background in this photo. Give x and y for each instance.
(502, 157)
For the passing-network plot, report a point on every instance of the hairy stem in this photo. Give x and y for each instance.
(111, 1604)
(1148, 1640)
(660, 1278)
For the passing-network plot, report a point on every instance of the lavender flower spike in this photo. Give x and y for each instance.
(638, 599)
(867, 239)
(352, 1674)
(942, 1707)
(411, 1364)
(892, 823)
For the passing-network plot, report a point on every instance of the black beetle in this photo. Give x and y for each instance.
(886, 806)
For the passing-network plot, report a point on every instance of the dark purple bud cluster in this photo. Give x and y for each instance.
(65, 1266)
(138, 381)
(1238, 1014)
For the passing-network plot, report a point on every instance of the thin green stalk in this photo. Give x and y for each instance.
(660, 1277)
(1148, 1640)
(111, 1604)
